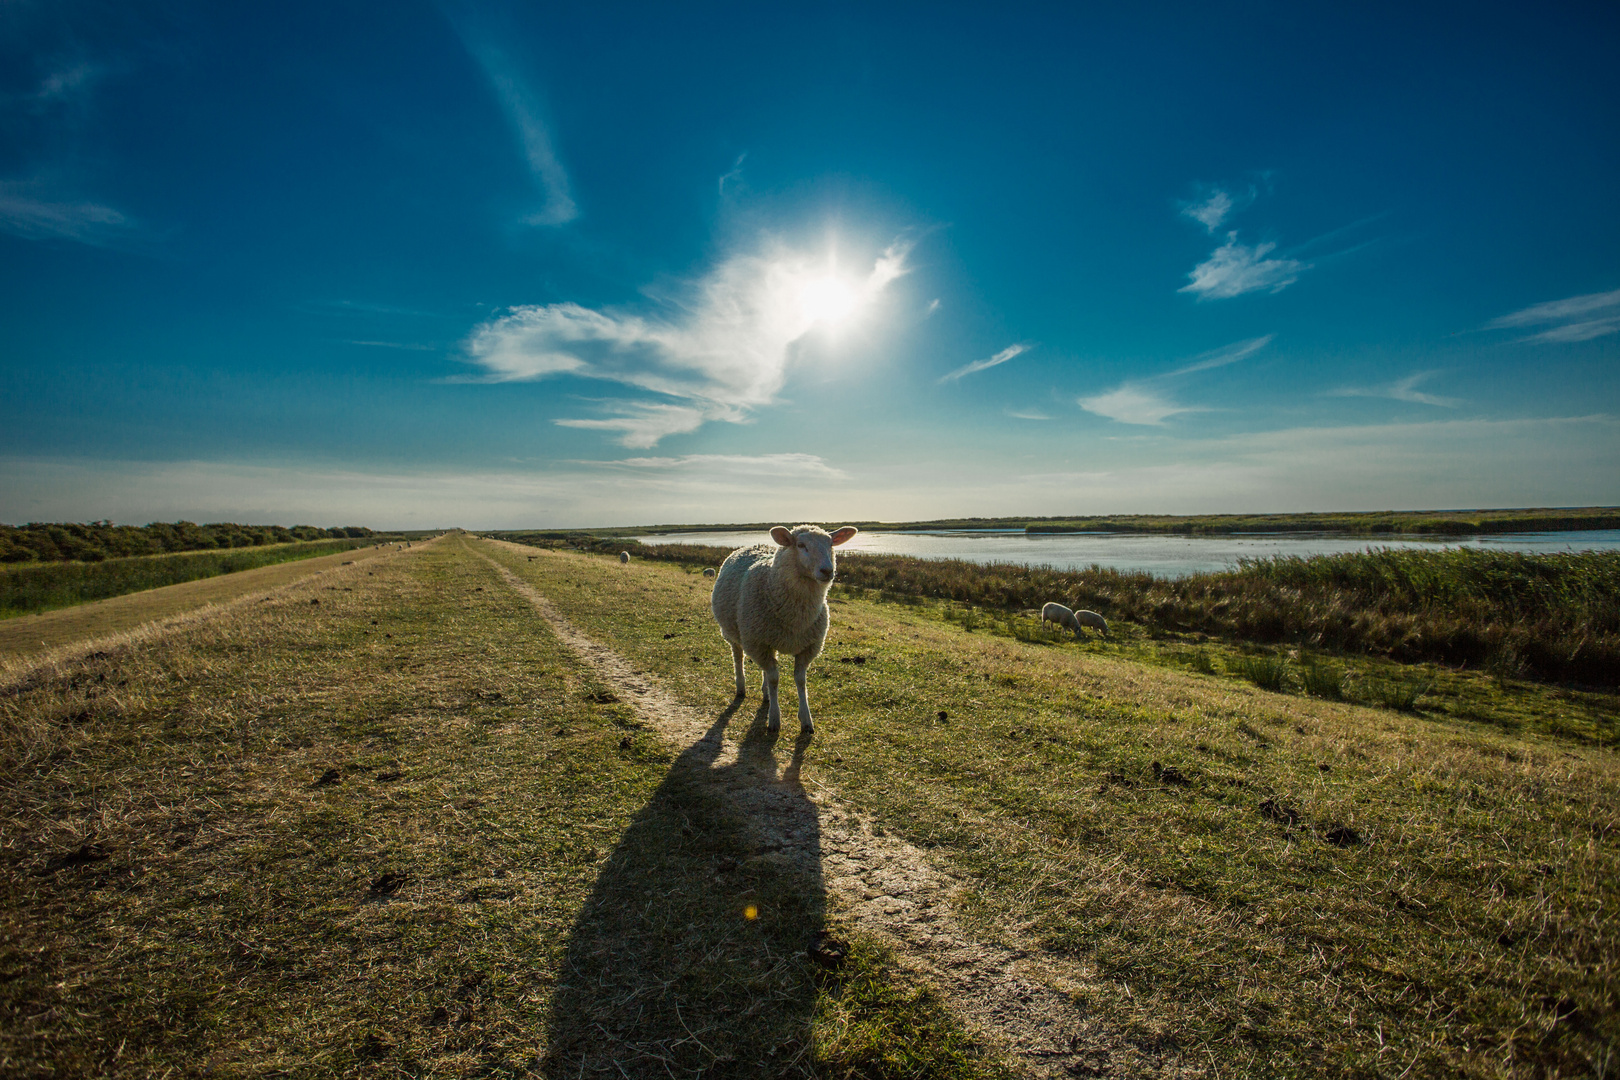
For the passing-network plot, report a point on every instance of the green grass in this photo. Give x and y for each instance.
(36, 587)
(401, 831)
(1323, 889)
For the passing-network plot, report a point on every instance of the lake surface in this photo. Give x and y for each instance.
(1166, 556)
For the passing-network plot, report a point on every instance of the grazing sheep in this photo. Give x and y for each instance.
(708, 571)
(1058, 615)
(624, 557)
(774, 599)
(1093, 620)
(1074, 620)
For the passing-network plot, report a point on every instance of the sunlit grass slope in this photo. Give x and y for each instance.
(1259, 883)
(383, 824)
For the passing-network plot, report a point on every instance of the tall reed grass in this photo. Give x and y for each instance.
(25, 590)
(1553, 617)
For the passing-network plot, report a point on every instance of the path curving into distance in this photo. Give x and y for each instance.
(1020, 1000)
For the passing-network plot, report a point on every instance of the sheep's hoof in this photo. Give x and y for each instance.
(807, 729)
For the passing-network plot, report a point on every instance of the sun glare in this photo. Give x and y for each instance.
(828, 301)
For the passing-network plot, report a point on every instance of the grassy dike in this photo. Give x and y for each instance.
(383, 824)
(35, 587)
(1259, 883)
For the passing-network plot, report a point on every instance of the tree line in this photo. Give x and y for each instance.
(101, 540)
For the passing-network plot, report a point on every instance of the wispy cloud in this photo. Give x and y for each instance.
(933, 306)
(1214, 206)
(1027, 414)
(1147, 402)
(1578, 318)
(412, 346)
(718, 353)
(785, 466)
(1135, 404)
(1234, 269)
(524, 111)
(24, 213)
(734, 173)
(1226, 354)
(1401, 390)
(988, 362)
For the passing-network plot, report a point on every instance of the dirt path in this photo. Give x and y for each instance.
(1023, 1003)
(27, 636)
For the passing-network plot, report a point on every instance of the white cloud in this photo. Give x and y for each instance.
(1215, 207)
(785, 466)
(1143, 402)
(734, 173)
(644, 424)
(1134, 404)
(67, 82)
(525, 113)
(33, 218)
(1226, 354)
(988, 362)
(1234, 269)
(1401, 390)
(1577, 318)
(1027, 414)
(720, 353)
(933, 306)
(1554, 461)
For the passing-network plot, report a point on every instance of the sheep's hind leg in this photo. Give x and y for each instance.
(736, 661)
(801, 668)
(774, 718)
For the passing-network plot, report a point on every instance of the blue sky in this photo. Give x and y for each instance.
(549, 265)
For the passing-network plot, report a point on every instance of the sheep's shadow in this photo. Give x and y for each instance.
(688, 957)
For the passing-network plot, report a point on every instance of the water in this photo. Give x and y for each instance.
(1165, 556)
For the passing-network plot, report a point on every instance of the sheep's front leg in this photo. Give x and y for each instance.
(774, 718)
(736, 660)
(801, 668)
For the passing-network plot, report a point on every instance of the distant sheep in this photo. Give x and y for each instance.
(1074, 620)
(708, 571)
(624, 557)
(771, 600)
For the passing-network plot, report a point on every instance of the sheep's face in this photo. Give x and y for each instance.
(812, 549)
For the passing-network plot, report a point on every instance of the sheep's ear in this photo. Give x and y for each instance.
(782, 536)
(846, 533)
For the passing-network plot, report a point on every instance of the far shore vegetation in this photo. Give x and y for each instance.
(1372, 522)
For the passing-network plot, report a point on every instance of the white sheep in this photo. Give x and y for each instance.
(1074, 620)
(708, 571)
(624, 557)
(774, 599)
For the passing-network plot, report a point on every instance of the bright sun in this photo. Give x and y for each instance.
(828, 301)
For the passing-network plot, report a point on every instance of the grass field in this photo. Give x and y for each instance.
(34, 587)
(409, 831)
(1552, 617)
(35, 635)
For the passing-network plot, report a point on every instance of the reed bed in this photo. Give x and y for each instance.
(1551, 617)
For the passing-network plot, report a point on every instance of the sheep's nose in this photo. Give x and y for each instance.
(825, 573)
